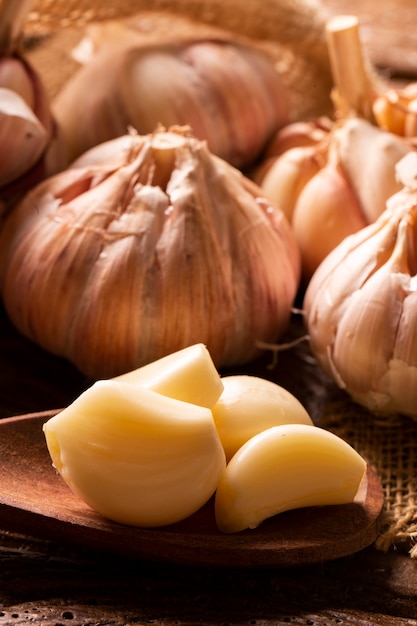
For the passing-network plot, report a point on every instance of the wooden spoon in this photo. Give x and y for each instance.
(34, 500)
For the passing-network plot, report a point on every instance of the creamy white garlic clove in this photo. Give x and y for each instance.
(360, 306)
(283, 468)
(135, 456)
(188, 375)
(248, 405)
(161, 247)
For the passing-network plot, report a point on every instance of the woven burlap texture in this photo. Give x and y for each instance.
(389, 444)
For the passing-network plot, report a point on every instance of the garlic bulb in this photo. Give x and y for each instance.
(118, 263)
(336, 186)
(228, 93)
(28, 134)
(395, 110)
(360, 306)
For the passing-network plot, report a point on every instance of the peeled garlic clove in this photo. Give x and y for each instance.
(286, 467)
(368, 155)
(229, 94)
(359, 307)
(248, 405)
(21, 134)
(135, 456)
(123, 264)
(188, 375)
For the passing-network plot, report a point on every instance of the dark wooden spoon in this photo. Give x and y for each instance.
(35, 500)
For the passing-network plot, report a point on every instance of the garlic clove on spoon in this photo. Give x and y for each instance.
(135, 456)
(161, 247)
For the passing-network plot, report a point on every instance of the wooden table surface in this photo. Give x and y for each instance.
(48, 583)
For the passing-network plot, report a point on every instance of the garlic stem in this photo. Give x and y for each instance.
(12, 17)
(351, 73)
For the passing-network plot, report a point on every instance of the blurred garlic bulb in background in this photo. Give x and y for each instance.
(147, 245)
(230, 94)
(27, 129)
(361, 306)
(396, 110)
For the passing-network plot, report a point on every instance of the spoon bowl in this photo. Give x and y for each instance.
(35, 500)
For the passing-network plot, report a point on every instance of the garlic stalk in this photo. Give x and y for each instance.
(162, 246)
(230, 94)
(360, 306)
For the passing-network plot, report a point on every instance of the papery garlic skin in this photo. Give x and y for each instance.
(360, 309)
(122, 264)
(231, 95)
(188, 375)
(283, 468)
(135, 456)
(248, 405)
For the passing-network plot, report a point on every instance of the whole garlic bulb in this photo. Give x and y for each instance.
(361, 306)
(229, 93)
(160, 246)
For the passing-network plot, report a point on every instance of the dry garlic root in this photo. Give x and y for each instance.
(360, 306)
(135, 452)
(249, 405)
(229, 93)
(282, 468)
(152, 245)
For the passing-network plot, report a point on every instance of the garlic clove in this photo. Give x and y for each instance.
(22, 136)
(368, 155)
(325, 213)
(286, 467)
(288, 174)
(188, 375)
(248, 405)
(300, 134)
(135, 456)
